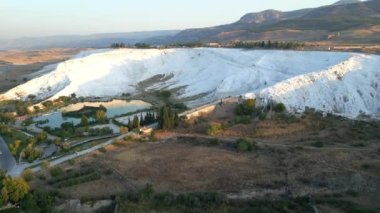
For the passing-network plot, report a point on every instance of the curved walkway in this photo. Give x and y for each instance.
(7, 161)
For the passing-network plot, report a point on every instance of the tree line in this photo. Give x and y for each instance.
(123, 45)
(268, 44)
(136, 122)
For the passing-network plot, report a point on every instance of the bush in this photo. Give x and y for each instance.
(147, 192)
(246, 108)
(56, 171)
(28, 175)
(102, 150)
(279, 108)
(71, 162)
(245, 119)
(318, 144)
(244, 145)
(214, 142)
(214, 129)
(108, 172)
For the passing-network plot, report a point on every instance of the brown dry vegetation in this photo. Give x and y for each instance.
(286, 163)
(17, 66)
(22, 57)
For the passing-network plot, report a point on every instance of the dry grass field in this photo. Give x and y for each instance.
(286, 162)
(17, 66)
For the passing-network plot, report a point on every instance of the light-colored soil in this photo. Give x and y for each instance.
(23, 57)
(16, 66)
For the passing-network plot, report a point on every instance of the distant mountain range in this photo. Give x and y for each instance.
(346, 21)
(82, 41)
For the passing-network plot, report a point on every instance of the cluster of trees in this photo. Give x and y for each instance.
(31, 152)
(89, 111)
(214, 129)
(187, 44)
(118, 45)
(6, 117)
(246, 108)
(22, 108)
(12, 189)
(100, 131)
(136, 122)
(142, 45)
(168, 118)
(268, 45)
(38, 201)
(101, 117)
(123, 45)
(26, 146)
(61, 101)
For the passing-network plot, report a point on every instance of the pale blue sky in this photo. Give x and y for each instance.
(29, 18)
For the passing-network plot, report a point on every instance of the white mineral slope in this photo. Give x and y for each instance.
(345, 83)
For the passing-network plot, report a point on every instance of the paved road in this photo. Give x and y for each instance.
(7, 161)
(17, 170)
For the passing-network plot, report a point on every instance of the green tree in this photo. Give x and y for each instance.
(17, 188)
(27, 174)
(214, 129)
(130, 125)
(38, 201)
(168, 118)
(41, 137)
(84, 121)
(246, 108)
(14, 147)
(3, 196)
(45, 165)
(136, 122)
(29, 205)
(56, 171)
(165, 118)
(43, 200)
(6, 117)
(279, 108)
(244, 145)
(101, 116)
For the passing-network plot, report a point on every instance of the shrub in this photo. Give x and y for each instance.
(71, 162)
(214, 129)
(147, 192)
(244, 145)
(318, 144)
(246, 108)
(214, 142)
(279, 108)
(28, 174)
(42, 177)
(102, 150)
(245, 119)
(56, 171)
(45, 165)
(108, 172)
